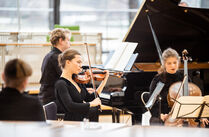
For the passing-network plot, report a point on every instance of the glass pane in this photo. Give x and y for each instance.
(8, 21)
(34, 15)
(8, 15)
(8, 3)
(93, 4)
(35, 4)
(34, 21)
(111, 18)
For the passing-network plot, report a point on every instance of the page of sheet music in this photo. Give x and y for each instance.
(121, 56)
(116, 56)
(205, 112)
(188, 106)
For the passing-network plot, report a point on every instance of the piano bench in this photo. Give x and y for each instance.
(104, 107)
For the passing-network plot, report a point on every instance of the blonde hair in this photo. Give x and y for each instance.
(169, 52)
(16, 71)
(58, 33)
(68, 54)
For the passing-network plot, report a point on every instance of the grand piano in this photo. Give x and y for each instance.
(176, 27)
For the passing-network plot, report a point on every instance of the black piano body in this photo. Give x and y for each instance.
(176, 27)
(129, 97)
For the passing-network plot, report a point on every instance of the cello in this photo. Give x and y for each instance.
(175, 91)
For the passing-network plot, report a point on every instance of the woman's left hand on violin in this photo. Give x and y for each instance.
(106, 74)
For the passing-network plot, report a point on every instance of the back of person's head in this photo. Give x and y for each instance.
(169, 52)
(68, 54)
(16, 71)
(58, 33)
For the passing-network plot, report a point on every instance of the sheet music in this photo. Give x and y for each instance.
(121, 56)
(188, 107)
(205, 112)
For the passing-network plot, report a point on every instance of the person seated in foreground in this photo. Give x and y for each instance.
(14, 104)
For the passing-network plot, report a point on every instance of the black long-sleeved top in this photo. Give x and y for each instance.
(17, 106)
(168, 80)
(50, 74)
(71, 100)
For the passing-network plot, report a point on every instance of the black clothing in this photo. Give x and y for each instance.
(72, 101)
(168, 80)
(17, 106)
(50, 74)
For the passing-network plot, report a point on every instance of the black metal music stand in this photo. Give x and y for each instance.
(196, 110)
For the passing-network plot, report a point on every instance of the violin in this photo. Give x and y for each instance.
(85, 76)
(98, 75)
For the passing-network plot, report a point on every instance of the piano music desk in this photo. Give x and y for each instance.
(156, 66)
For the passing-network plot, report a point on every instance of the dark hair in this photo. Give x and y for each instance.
(58, 33)
(16, 71)
(68, 54)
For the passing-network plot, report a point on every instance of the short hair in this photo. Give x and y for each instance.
(68, 54)
(16, 71)
(169, 52)
(58, 33)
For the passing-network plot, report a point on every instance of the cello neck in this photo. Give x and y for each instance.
(185, 58)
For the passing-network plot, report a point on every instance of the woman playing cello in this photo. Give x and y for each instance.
(168, 75)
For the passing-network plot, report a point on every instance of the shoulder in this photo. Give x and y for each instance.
(180, 75)
(52, 55)
(33, 107)
(155, 79)
(31, 101)
(48, 58)
(60, 81)
(158, 76)
(30, 97)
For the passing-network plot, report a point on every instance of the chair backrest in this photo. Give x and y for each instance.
(50, 111)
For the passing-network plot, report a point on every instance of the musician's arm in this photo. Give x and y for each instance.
(103, 83)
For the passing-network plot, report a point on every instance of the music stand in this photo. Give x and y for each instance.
(154, 95)
(191, 107)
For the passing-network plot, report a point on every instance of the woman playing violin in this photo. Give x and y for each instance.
(76, 100)
(168, 74)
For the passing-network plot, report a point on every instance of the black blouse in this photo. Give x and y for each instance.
(168, 80)
(17, 106)
(74, 103)
(50, 74)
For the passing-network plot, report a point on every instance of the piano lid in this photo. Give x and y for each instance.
(176, 27)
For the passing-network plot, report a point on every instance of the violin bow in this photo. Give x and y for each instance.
(91, 73)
